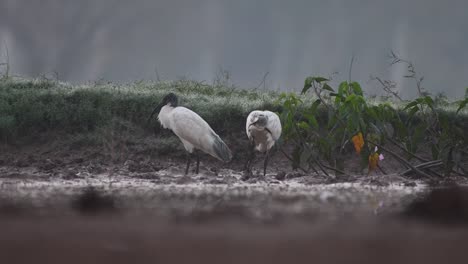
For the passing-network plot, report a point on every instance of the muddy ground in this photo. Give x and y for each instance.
(84, 205)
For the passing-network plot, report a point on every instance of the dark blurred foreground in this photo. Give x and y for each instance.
(432, 229)
(109, 240)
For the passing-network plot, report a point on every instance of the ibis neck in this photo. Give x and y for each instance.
(260, 128)
(164, 115)
(167, 107)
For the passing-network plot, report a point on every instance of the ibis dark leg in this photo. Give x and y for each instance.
(198, 162)
(250, 158)
(248, 164)
(188, 163)
(265, 162)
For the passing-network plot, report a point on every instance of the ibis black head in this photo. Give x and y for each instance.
(262, 120)
(259, 120)
(169, 99)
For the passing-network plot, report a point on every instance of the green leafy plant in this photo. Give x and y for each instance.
(323, 140)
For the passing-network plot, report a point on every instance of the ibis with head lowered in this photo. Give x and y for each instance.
(263, 130)
(192, 130)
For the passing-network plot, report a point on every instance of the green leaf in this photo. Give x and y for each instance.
(327, 87)
(413, 111)
(356, 88)
(411, 104)
(309, 80)
(372, 113)
(351, 98)
(342, 109)
(353, 123)
(307, 84)
(462, 104)
(331, 121)
(320, 79)
(420, 100)
(303, 125)
(314, 106)
(343, 89)
(428, 100)
(313, 121)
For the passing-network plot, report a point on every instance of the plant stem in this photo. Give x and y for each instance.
(429, 164)
(334, 169)
(291, 159)
(407, 151)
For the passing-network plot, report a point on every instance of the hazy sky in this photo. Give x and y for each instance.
(125, 40)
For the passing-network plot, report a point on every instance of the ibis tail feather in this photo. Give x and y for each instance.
(221, 150)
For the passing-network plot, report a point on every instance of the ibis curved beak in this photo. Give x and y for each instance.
(155, 110)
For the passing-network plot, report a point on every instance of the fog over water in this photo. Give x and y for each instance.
(87, 40)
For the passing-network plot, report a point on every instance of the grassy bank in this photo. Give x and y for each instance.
(33, 106)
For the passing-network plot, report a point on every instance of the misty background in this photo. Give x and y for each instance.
(88, 40)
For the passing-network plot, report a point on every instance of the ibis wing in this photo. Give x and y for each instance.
(274, 124)
(249, 121)
(190, 127)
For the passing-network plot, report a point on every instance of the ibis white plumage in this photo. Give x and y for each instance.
(263, 130)
(192, 130)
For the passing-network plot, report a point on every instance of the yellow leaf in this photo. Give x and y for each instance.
(373, 161)
(358, 142)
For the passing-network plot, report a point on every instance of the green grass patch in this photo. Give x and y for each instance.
(33, 106)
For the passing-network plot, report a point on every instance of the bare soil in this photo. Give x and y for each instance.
(61, 203)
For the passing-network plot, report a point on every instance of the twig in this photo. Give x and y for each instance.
(465, 172)
(157, 74)
(382, 170)
(319, 164)
(435, 173)
(56, 76)
(313, 168)
(263, 81)
(334, 169)
(407, 151)
(7, 73)
(394, 57)
(350, 69)
(388, 87)
(434, 163)
(412, 73)
(426, 165)
(429, 163)
(7, 64)
(291, 159)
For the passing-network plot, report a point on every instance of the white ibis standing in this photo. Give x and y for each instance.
(192, 130)
(263, 130)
